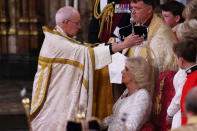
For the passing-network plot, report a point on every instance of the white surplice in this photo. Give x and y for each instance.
(174, 107)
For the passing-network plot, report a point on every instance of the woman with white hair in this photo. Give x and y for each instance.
(135, 102)
(190, 11)
(187, 30)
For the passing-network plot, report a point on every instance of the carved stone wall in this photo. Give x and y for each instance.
(21, 33)
(85, 9)
(51, 7)
(19, 26)
(21, 22)
(20, 36)
(3, 27)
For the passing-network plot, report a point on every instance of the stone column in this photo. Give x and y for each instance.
(3, 27)
(12, 27)
(23, 42)
(85, 13)
(34, 31)
(54, 6)
(67, 3)
(75, 4)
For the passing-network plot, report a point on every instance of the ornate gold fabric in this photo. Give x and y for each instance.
(103, 100)
(159, 51)
(162, 38)
(157, 106)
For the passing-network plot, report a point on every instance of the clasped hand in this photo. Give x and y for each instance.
(133, 40)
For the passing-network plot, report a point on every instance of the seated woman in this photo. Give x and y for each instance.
(135, 102)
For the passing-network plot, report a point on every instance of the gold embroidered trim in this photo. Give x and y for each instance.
(91, 51)
(92, 45)
(65, 61)
(154, 26)
(47, 62)
(74, 63)
(41, 102)
(152, 72)
(157, 105)
(39, 85)
(62, 61)
(85, 83)
(53, 31)
(131, 52)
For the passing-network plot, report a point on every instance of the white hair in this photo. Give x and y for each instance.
(187, 30)
(64, 13)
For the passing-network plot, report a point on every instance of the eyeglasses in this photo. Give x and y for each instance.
(135, 9)
(77, 23)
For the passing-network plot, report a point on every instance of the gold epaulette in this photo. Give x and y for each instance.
(106, 16)
(54, 31)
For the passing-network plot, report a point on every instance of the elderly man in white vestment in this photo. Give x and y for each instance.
(64, 78)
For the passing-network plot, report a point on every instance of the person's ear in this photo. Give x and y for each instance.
(65, 22)
(181, 62)
(177, 18)
(150, 9)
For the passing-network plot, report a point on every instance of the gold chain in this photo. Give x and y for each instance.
(106, 16)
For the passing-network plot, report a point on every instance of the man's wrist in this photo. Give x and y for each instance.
(110, 49)
(123, 45)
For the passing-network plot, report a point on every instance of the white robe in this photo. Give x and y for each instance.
(137, 106)
(64, 80)
(174, 107)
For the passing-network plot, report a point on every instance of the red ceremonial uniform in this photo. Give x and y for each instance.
(189, 84)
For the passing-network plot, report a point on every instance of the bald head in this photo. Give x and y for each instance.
(68, 19)
(65, 13)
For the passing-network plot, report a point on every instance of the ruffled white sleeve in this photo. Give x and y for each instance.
(138, 110)
(179, 81)
(107, 120)
(102, 56)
